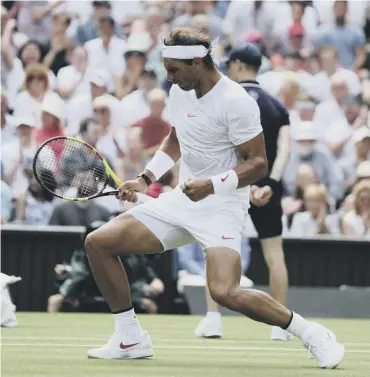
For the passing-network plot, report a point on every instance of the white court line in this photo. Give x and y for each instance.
(223, 341)
(269, 349)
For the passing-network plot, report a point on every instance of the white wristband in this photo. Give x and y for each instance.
(225, 182)
(160, 164)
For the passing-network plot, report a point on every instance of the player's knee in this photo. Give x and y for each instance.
(221, 293)
(93, 242)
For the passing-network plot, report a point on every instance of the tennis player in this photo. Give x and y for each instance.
(216, 130)
(243, 64)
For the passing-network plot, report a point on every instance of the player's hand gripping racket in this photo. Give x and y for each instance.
(73, 170)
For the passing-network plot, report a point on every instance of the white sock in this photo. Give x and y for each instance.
(298, 325)
(214, 316)
(127, 323)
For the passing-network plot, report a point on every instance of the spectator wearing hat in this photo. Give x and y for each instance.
(361, 139)
(306, 149)
(357, 221)
(153, 128)
(135, 58)
(90, 29)
(107, 51)
(52, 115)
(328, 60)
(60, 46)
(316, 219)
(18, 153)
(36, 85)
(347, 39)
(73, 80)
(81, 107)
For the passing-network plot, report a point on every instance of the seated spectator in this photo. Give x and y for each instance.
(357, 221)
(329, 63)
(36, 85)
(331, 111)
(361, 138)
(90, 29)
(60, 46)
(19, 152)
(316, 219)
(81, 107)
(30, 53)
(6, 200)
(194, 8)
(135, 57)
(135, 105)
(8, 130)
(73, 80)
(306, 149)
(153, 128)
(292, 204)
(107, 51)
(347, 39)
(36, 205)
(192, 265)
(52, 115)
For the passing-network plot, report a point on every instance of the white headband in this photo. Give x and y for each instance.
(189, 52)
(184, 52)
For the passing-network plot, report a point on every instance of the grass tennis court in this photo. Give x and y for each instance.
(56, 345)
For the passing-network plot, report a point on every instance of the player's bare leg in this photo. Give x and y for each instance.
(223, 274)
(278, 277)
(123, 235)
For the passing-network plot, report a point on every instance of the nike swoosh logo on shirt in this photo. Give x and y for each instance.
(125, 346)
(224, 179)
(191, 116)
(227, 238)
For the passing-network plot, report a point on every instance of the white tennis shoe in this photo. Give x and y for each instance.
(208, 328)
(323, 345)
(119, 348)
(277, 333)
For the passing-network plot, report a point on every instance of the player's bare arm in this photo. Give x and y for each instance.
(251, 170)
(260, 196)
(164, 159)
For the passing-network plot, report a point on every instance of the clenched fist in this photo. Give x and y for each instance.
(197, 189)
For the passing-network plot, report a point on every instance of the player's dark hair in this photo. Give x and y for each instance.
(84, 125)
(191, 37)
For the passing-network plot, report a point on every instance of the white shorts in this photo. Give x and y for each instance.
(176, 221)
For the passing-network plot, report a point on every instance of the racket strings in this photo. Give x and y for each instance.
(70, 168)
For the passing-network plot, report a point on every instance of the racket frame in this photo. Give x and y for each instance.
(108, 170)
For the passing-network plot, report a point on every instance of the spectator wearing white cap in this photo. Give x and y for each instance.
(135, 58)
(306, 149)
(20, 151)
(330, 111)
(80, 107)
(52, 115)
(107, 51)
(361, 139)
(73, 80)
(8, 131)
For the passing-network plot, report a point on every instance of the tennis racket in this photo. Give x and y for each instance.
(71, 169)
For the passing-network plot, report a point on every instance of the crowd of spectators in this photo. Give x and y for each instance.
(93, 69)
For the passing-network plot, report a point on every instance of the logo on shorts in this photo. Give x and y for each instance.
(224, 178)
(191, 116)
(227, 238)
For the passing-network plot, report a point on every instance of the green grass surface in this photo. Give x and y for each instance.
(56, 345)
